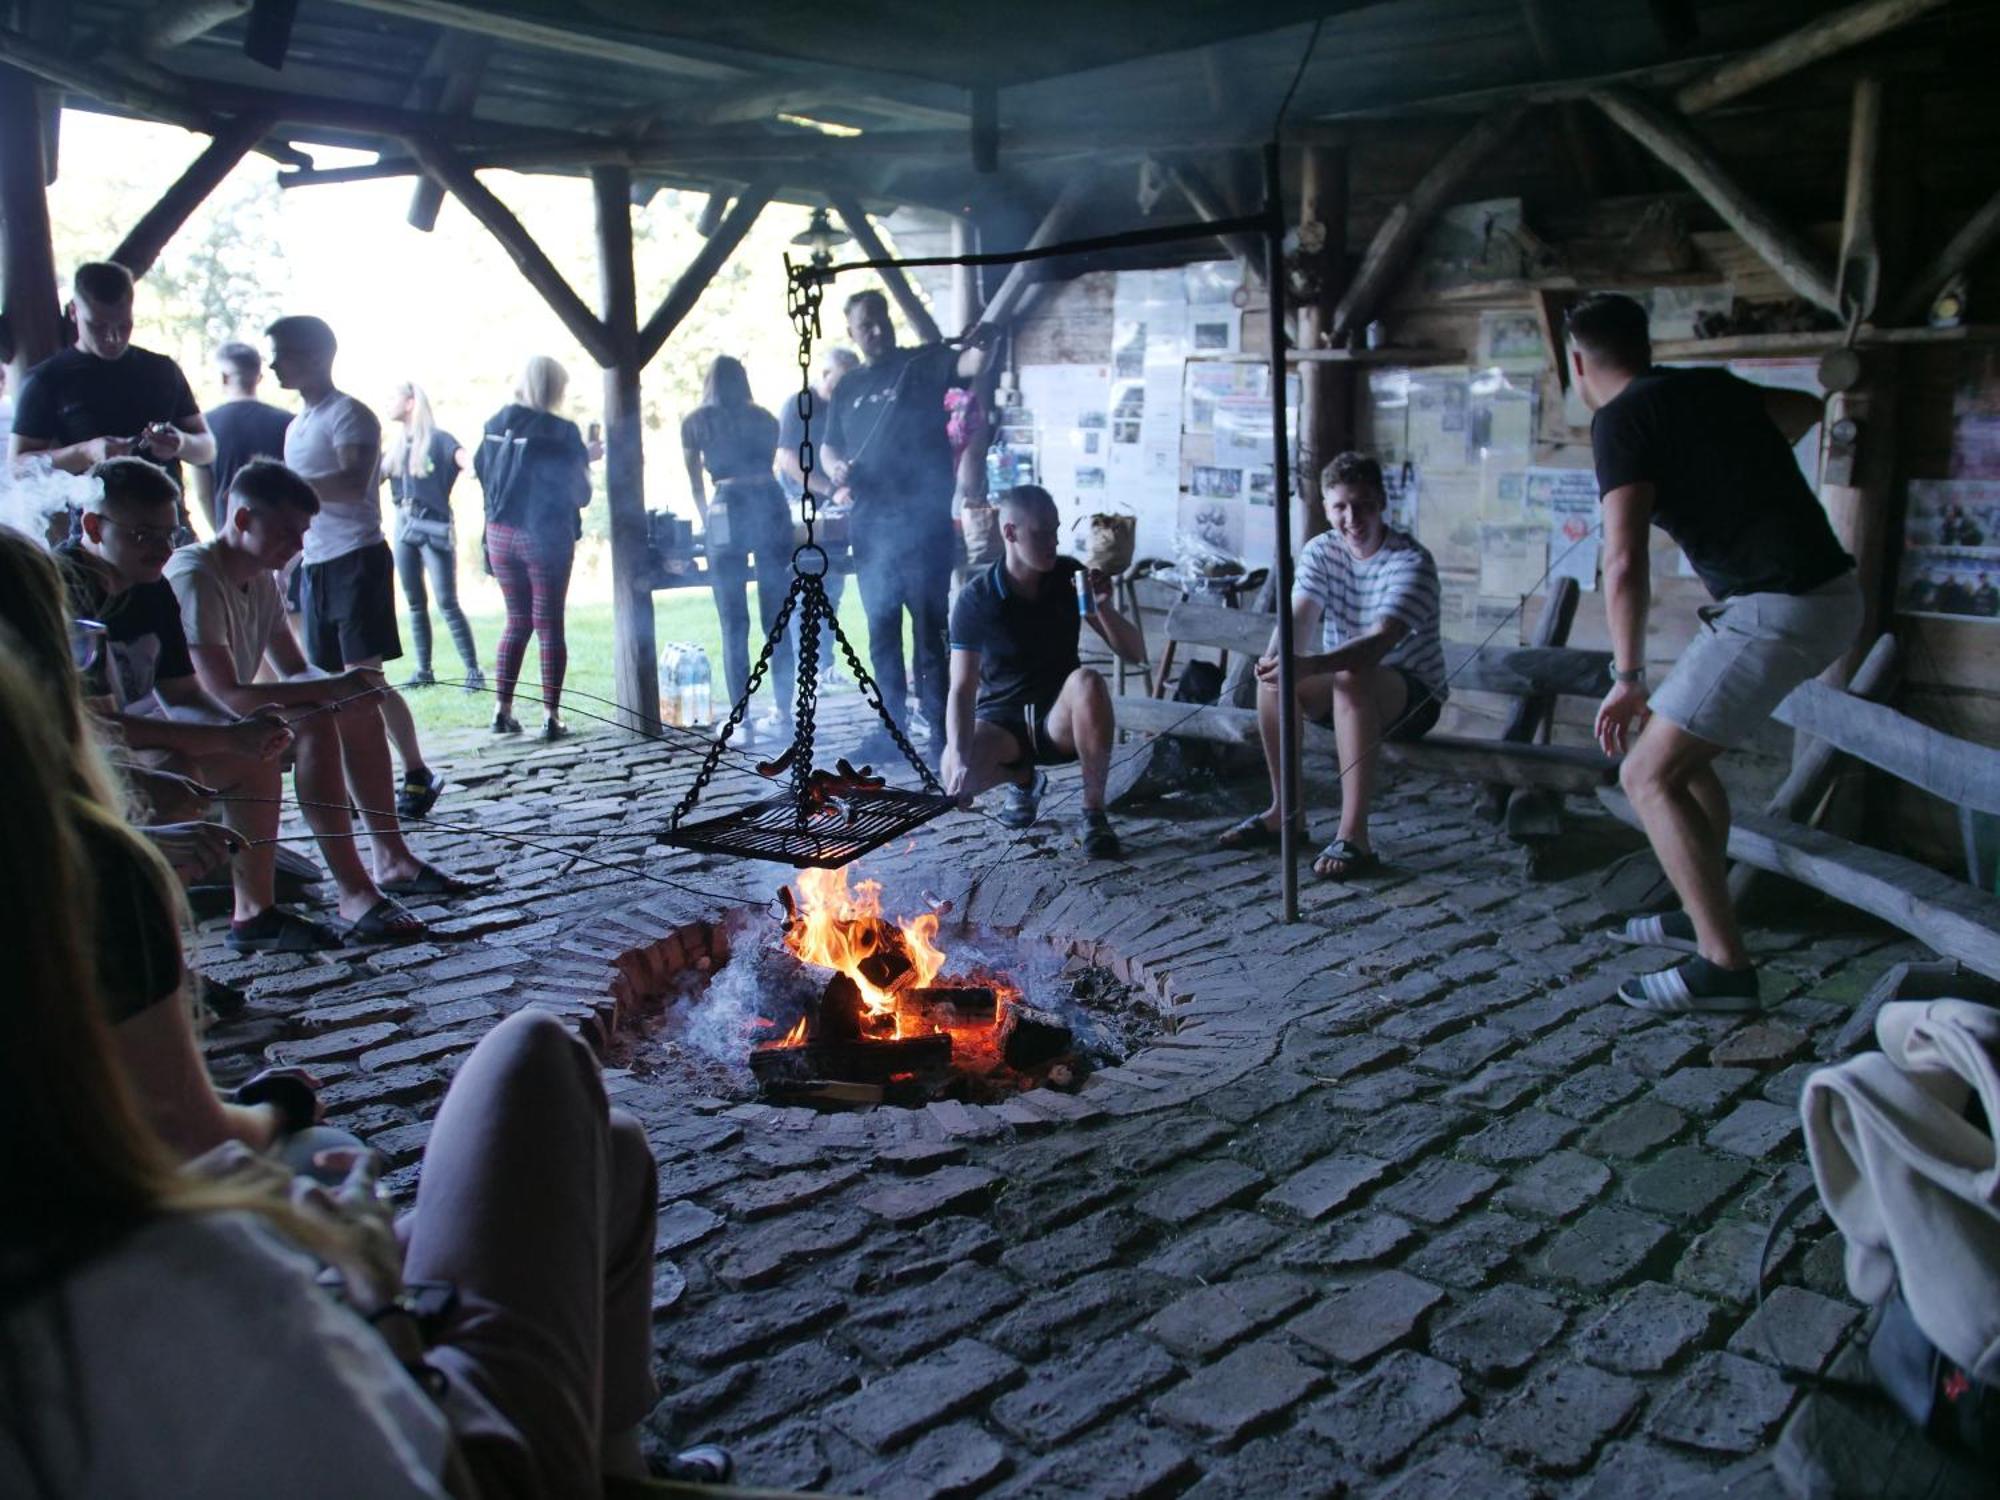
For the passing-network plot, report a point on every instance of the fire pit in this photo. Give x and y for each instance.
(835, 1004)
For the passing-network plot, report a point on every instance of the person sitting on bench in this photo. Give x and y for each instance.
(233, 618)
(1707, 458)
(1020, 697)
(1372, 593)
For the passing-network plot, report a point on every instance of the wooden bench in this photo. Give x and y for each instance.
(1523, 672)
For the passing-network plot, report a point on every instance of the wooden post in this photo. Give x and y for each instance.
(635, 667)
(140, 248)
(1859, 281)
(456, 65)
(965, 298)
(1388, 257)
(918, 316)
(691, 283)
(1326, 390)
(178, 23)
(1859, 510)
(33, 307)
(1669, 139)
(1820, 38)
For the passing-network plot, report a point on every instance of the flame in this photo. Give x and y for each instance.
(796, 1037)
(840, 927)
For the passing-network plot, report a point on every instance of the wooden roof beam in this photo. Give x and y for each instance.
(711, 257)
(1669, 138)
(1975, 237)
(1388, 258)
(1208, 206)
(1817, 39)
(1015, 292)
(455, 176)
(451, 86)
(915, 313)
(175, 25)
(160, 223)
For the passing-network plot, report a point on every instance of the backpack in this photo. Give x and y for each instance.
(532, 468)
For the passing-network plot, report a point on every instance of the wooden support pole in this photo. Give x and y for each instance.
(1815, 762)
(1585, 159)
(1821, 38)
(1974, 239)
(463, 63)
(444, 167)
(965, 298)
(1669, 139)
(1390, 254)
(1006, 301)
(32, 306)
(1202, 197)
(175, 25)
(142, 246)
(1326, 390)
(1860, 509)
(1859, 283)
(915, 313)
(635, 664)
(710, 258)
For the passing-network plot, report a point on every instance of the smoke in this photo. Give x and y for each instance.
(33, 490)
(760, 982)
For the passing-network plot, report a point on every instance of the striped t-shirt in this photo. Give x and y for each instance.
(1400, 582)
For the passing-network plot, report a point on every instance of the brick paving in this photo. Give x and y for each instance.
(1398, 1204)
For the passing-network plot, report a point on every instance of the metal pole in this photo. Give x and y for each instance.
(1281, 493)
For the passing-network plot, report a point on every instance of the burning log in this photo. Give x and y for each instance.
(964, 1003)
(1029, 1036)
(852, 1061)
(843, 1016)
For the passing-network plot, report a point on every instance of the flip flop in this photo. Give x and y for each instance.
(1353, 859)
(276, 930)
(431, 881)
(1671, 929)
(1692, 988)
(387, 921)
(1251, 833)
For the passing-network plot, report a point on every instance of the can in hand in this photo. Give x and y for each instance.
(1086, 602)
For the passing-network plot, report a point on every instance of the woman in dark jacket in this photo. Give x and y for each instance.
(535, 468)
(420, 468)
(735, 440)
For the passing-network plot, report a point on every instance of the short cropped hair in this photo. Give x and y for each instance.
(1357, 471)
(269, 485)
(1613, 330)
(304, 332)
(132, 481)
(870, 295)
(243, 360)
(104, 282)
(1030, 498)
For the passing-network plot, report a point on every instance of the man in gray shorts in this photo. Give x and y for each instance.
(1707, 458)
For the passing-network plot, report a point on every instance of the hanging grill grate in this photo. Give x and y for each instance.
(828, 818)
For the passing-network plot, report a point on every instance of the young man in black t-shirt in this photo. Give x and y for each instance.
(1020, 698)
(106, 397)
(243, 427)
(888, 457)
(1707, 458)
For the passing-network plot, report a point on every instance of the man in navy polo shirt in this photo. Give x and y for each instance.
(1020, 697)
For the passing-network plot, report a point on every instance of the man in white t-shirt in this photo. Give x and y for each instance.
(234, 620)
(348, 593)
(1367, 595)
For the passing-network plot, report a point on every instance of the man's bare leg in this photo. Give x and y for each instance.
(371, 777)
(995, 755)
(1080, 724)
(401, 724)
(1315, 696)
(1365, 701)
(321, 780)
(250, 790)
(1670, 778)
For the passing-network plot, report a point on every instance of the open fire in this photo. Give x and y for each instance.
(893, 1017)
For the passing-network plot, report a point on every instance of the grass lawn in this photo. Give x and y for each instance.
(679, 615)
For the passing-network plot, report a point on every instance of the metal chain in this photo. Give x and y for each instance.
(737, 713)
(805, 289)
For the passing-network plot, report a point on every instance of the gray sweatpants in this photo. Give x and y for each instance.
(537, 1202)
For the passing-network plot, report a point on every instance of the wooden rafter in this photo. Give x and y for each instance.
(1817, 39)
(160, 223)
(1669, 138)
(457, 178)
(915, 313)
(691, 283)
(1975, 237)
(1208, 206)
(450, 86)
(1010, 298)
(1387, 258)
(175, 25)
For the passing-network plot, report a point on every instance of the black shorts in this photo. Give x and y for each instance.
(1421, 707)
(349, 606)
(1029, 724)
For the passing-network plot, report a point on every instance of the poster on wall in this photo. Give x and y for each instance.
(1951, 550)
(1512, 340)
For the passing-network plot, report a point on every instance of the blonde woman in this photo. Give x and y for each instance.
(420, 465)
(535, 468)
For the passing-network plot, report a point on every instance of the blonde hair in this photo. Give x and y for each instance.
(542, 385)
(413, 461)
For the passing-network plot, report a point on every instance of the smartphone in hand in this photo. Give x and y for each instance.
(596, 432)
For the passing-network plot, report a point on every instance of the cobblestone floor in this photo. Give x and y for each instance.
(1401, 1205)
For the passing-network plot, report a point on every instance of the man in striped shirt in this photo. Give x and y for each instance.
(1371, 593)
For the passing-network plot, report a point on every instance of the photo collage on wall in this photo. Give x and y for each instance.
(1951, 550)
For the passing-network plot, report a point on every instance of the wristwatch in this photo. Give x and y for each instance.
(1627, 677)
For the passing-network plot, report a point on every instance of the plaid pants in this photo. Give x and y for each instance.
(533, 574)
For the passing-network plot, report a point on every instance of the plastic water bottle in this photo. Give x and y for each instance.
(703, 680)
(670, 689)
